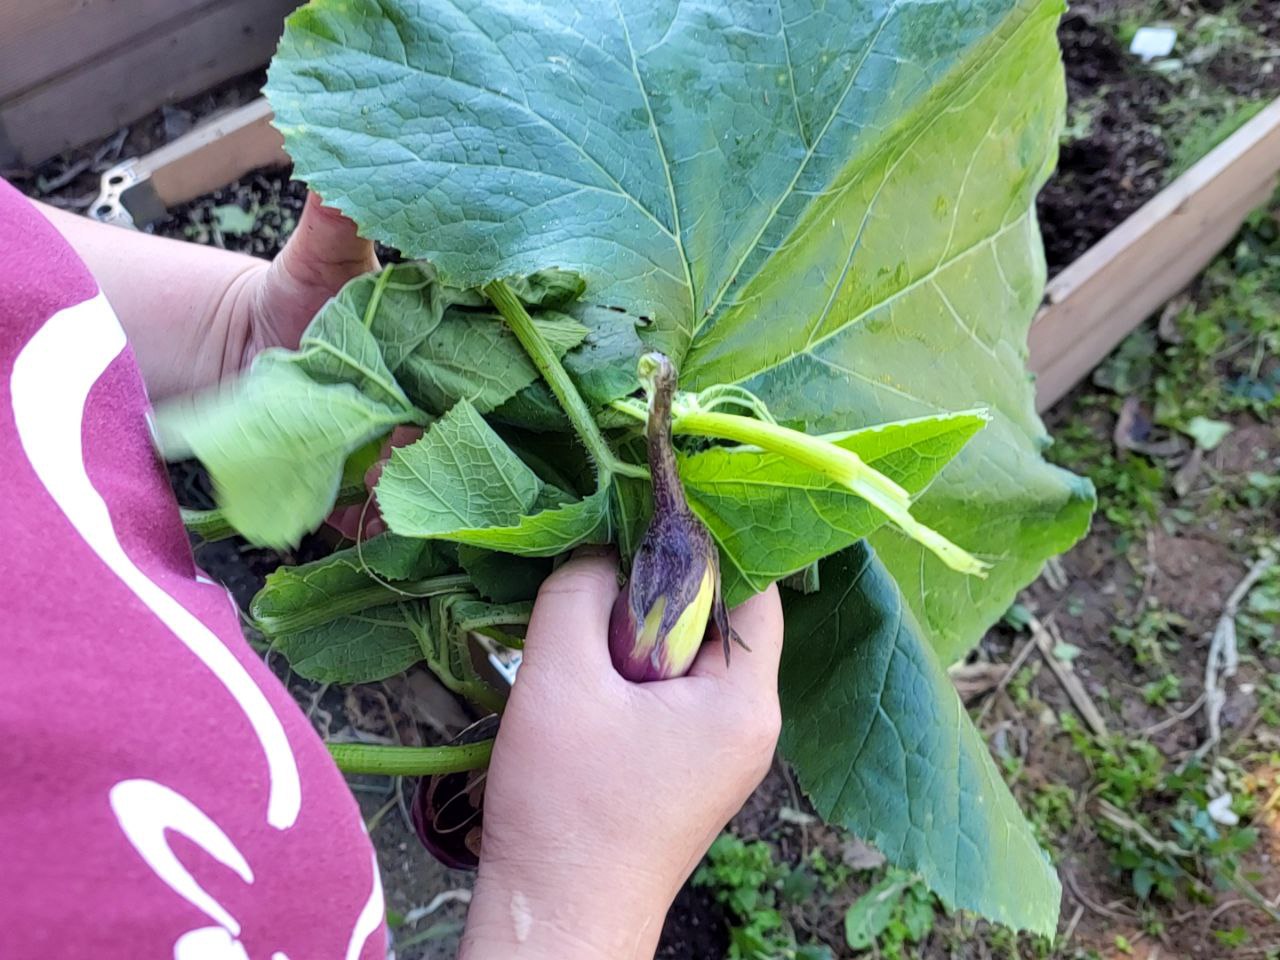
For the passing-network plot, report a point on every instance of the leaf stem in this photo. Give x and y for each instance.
(375, 298)
(208, 525)
(409, 761)
(843, 466)
(376, 594)
(553, 371)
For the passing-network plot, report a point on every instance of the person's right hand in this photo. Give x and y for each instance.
(604, 794)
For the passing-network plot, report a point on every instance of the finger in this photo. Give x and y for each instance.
(569, 628)
(758, 622)
(346, 520)
(325, 250)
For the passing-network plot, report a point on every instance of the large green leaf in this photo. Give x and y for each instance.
(828, 202)
(882, 744)
(773, 517)
(475, 357)
(459, 476)
(461, 482)
(275, 442)
(360, 648)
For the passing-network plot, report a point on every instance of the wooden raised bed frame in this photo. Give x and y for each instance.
(72, 71)
(1089, 308)
(1127, 275)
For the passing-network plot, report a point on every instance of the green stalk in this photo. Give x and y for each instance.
(548, 364)
(208, 525)
(374, 595)
(211, 525)
(843, 466)
(410, 761)
(375, 298)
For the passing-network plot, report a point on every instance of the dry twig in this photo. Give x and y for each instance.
(1224, 656)
(1067, 678)
(1071, 925)
(1173, 719)
(1009, 674)
(1070, 880)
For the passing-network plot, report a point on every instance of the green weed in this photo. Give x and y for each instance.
(1155, 819)
(894, 914)
(751, 885)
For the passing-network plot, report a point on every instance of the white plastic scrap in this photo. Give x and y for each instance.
(1220, 811)
(1150, 43)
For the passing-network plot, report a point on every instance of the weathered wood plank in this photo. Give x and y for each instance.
(1121, 280)
(42, 39)
(227, 38)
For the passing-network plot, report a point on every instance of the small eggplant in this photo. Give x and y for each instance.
(660, 617)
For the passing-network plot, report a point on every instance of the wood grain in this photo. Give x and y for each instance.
(40, 40)
(208, 45)
(216, 153)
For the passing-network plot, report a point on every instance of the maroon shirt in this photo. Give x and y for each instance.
(160, 792)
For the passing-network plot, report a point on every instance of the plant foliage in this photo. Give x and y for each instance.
(822, 212)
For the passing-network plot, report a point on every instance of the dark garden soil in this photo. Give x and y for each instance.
(1132, 128)
(1117, 161)
(1129, 612)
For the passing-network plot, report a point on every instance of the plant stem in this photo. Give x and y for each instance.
(409, 761)
(843, 466)
(211, 525)
(548, 364)
(208, 525)
(375, 298)
(353, 601)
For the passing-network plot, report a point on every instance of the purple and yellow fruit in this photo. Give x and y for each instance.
(660, 617)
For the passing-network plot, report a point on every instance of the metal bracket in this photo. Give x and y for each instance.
(126, 197)
(138, 191)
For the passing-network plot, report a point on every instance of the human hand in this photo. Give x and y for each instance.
(321, 255)
(604, 794)
(197, 315)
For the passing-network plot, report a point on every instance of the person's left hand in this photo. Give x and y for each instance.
(323, 253)
(196, 315)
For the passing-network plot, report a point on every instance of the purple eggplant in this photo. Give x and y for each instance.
(660, 617)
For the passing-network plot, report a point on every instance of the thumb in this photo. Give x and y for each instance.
(569, 628)
(325, 251)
